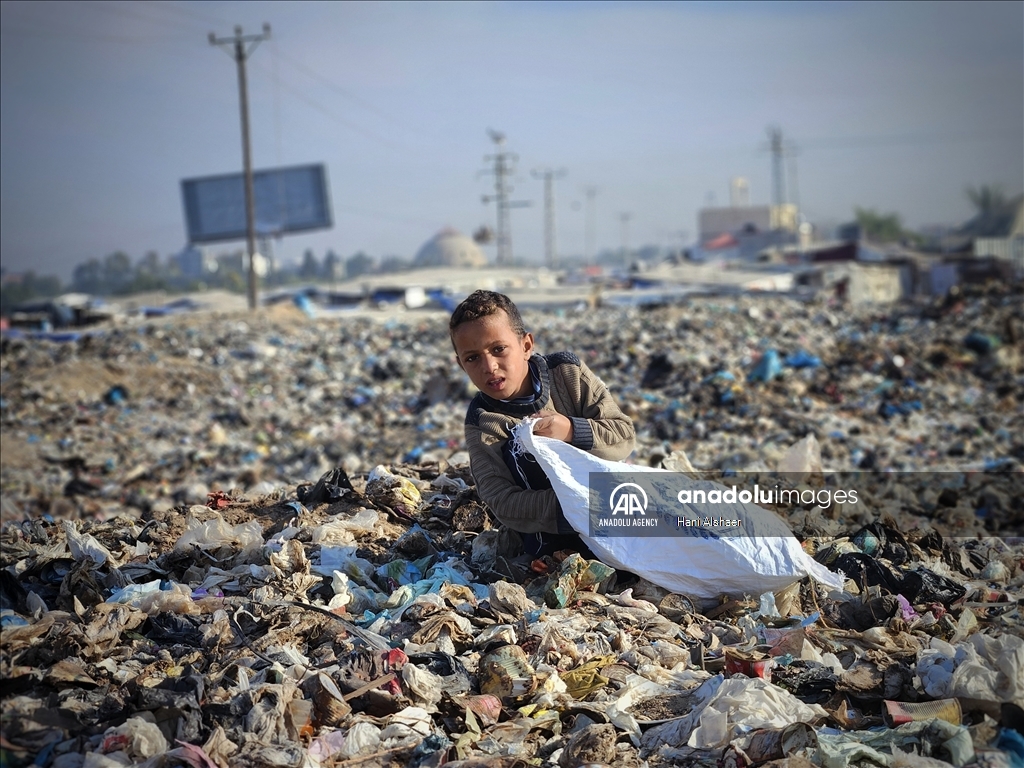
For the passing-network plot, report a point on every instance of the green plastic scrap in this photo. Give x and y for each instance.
(574, 574)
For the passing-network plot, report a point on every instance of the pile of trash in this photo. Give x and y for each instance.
(252, 543)
(385, 621)
(159, 413)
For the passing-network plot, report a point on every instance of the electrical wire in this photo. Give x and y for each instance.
(129, 11)
(326, 111)
(55, 34)
(398, 219)
(57, 29)
(184, 9)
(857, 142)
(348, 94)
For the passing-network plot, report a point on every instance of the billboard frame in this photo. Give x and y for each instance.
(199, 233)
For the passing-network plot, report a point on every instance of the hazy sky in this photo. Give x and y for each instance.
(106, 106)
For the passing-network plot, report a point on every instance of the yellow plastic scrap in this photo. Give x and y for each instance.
(586, 678)
(395, 491)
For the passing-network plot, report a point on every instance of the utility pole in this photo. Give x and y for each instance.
(624, 220)
(550, 246)
(240, 47)
(504, 166)
(588, 233)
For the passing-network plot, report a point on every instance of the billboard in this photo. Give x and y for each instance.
(293, 199)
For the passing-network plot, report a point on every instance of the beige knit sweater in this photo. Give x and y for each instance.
(568, 387)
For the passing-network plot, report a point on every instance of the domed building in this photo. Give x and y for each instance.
(450, 248)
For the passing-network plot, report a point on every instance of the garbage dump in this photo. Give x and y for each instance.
(257, 542)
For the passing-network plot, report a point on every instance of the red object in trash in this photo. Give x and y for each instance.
(217, 500)
(739, 663)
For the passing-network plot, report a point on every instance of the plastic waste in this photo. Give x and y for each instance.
(361, 738)
(330, 487)
(116, 395)
(216, 533)
(340, 530)
(738, 705)
(393, 491)
(574, 574)
(802, 459)
(769, 367)
(982, 669)
(137, 738)
(133, 593)
(423, 687)
(932, 738)
(84, 546)
(802, 359)
(900, 712)
(983, 344)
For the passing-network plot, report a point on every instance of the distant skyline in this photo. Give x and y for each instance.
(106, 106)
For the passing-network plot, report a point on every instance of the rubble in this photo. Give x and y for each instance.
(267, 549)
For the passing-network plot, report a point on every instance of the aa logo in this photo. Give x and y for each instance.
(629, 499)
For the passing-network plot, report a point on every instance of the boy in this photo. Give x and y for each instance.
(568, 401)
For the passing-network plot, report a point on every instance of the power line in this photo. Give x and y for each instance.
(58, 28)
(328, 112)
(127, 10)
(386, 216)
(341, 91)
(550, 245)
(57, 34)
(185, 9)
(859, 142)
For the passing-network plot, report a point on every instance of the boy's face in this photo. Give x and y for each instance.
(494, 357)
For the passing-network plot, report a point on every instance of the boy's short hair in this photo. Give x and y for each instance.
(481, 304)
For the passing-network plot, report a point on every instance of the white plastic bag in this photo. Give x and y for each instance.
(84, 546)
(217, 532)
(769, 560)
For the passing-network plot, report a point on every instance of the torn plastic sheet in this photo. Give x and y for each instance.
(983, 668)
(930, 738)
(84, 546)
(723, 709)
(217, 533)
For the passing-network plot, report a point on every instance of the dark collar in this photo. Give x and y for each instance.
(521, 410)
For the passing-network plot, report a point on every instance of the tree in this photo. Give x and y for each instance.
(988, 199)
(882, 228)
(333, 266)
(358, 264)
(30, 286)
(310, 268)
(149, 264)
(117, 271)
(88, 277)
(394, 264)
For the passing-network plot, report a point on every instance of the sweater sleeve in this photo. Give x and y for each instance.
(526, 511)
(612, 435)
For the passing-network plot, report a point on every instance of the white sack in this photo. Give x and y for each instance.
(767, 560)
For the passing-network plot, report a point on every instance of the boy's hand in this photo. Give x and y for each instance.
(554, 425)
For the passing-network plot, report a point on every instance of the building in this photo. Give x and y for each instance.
(750, 219)
(1003, 237)
(197, 262)
(450, 248)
